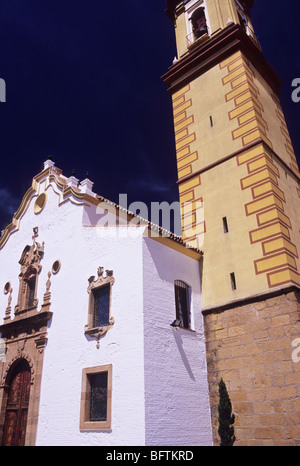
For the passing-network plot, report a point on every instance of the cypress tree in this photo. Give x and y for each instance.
(226, 418)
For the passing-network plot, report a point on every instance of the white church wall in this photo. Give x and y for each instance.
(177, 398)
(81, 251)
(69, 351)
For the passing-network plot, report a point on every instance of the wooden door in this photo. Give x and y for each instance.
(17, 406)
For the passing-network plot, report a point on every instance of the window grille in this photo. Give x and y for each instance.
(101, 306)
(98, 396)
(182, 301)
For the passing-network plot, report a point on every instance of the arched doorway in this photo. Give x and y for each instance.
(17, 405)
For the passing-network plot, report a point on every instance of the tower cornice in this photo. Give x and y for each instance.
(173, 4)
(209, 53)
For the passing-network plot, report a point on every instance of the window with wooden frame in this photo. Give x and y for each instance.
(99, 317)
(183, 304)
(96, 393)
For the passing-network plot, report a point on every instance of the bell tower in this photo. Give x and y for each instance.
(239, 188)
(238, 177)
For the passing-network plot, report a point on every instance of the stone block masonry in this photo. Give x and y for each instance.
(250, 347)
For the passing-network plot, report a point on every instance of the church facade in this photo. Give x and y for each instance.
(101, 325)
(116, 332)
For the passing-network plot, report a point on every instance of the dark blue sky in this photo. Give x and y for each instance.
(83, 85)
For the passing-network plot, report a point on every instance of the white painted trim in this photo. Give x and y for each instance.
(241, 11)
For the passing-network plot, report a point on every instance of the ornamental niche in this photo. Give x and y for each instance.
(30, 268)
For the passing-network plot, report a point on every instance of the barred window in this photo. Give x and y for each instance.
(183, 304)
(98, 396)
(101, 306)
(95, 409)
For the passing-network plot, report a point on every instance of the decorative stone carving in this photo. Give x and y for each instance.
(56, 267)
(8, 290)
(47, 294)
(30, 268)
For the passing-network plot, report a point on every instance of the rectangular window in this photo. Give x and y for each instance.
(101, 306)
(98, 396)
(233, 281)
(225, 225)
(182, 302)
(95, 410)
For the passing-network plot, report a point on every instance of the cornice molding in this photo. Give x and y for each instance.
(52, 178)
(172, 7)
(252, 145)
(213, 51)
(289, 288)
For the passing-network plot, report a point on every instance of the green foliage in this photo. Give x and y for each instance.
(226, 418)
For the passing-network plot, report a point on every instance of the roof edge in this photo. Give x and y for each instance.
(70, 188)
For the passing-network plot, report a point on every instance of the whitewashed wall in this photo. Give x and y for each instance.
(82, 250)
(177, 398)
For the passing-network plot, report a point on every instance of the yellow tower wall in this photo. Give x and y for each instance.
(235, 160)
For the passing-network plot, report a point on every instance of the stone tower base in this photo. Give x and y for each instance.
(250, 345)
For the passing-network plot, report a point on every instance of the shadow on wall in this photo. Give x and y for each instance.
(178, 339)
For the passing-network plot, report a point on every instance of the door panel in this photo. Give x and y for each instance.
(17, 406)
